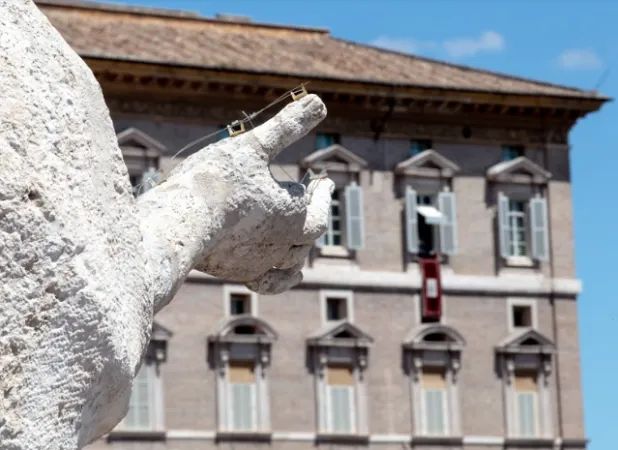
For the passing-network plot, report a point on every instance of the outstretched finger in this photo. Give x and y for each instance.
(318, 209)
(289, 125)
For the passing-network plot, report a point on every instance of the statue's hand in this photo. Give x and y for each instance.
(223, 213)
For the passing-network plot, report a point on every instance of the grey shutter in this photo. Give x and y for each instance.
(355, 226)
(434, 412)
(242, 406)
(140, 403)
(526, 414)
(503, 225)
(448, 228)
(411, 221)
(538, 229)
(341, 409)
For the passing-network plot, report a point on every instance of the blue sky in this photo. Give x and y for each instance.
(569, 42)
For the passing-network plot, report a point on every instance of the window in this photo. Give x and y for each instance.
(525, 359)
(526, 394)
(333, 234)
(346, 220)
(341, 405)
(241, 379)
(430, 223)
(141, 415)
(511, 152)
(240, 304)
(325, 140)
(141, 154)
(433, 359)
(433, 385)
(145, 412)
(523, 228)
(336, 309)
(339, 361)
(418, 146)
(522, 316)
(517, 228)
(238, 300)
(240, 350)
(336, 306)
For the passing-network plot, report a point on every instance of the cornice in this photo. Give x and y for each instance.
(218, 115)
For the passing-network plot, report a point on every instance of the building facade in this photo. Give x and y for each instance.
(439, 310)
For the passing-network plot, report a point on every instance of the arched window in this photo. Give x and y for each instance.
(241, 351)
(433, 358)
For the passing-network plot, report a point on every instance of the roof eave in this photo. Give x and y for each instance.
(586, 104)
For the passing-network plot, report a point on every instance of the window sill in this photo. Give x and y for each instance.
(335, 252)
(519, 261)
(336, 438)
(136, 435)
(243, 436)
(437, 440)
(529, 442)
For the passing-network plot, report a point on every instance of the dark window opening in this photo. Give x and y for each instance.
(336, 309)
(239, 304)
(511, 152)
(522, 316)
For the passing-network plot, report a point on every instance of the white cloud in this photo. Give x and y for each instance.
(404, 45)
(488, 41)
(579, 59)
(463, 47)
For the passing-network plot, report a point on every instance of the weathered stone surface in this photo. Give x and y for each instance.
(83, 266)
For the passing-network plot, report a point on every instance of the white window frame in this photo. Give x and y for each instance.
(343, 294)
(330, 232)
(512, 217)
(253, 407)
(357, 358)
(450, 361)
(351, 412)
(526, 302)
(237, 289)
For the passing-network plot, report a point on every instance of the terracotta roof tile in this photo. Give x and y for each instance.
(186, 39)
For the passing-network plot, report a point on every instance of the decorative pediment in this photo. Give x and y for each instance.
(429, 164)
(244, 329)
(519, 171)
(334, 158)
(135, 142)
(340, 334)
(434, 337)
(526, 341)
(160, 333)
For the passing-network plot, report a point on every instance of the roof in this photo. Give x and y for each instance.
(186, 39)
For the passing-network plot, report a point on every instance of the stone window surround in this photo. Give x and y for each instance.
(140, 160)
(353, 351)
(348, 295)
(228, 346)
(507, 181)
(342, 174)
(419, 353)
(512, 357)
(230, 289)
(156, 354)
(426, 182)
(523, 194)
